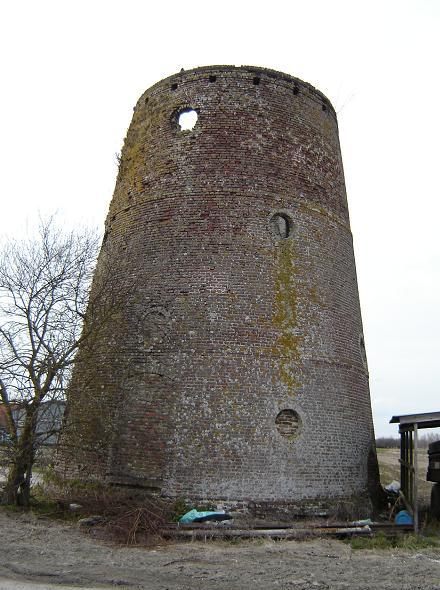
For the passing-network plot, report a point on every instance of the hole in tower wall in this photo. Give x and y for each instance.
(288, 423)
(212, 78)
(363, 351)
(281, 225)
(187, 119)
(295, 90)
(174, 86)
(324, 107)
(256, 80)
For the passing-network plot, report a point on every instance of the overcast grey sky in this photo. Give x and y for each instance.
(72, 71)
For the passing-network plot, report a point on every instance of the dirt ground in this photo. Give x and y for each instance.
(42, 554)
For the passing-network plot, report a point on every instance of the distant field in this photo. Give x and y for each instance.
(389, 469)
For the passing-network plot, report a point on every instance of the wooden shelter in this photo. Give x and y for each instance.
(409, 426)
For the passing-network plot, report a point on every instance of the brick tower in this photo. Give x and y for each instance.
(235, 369)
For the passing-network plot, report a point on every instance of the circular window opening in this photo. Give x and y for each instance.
(288, 424)
(281, 225)
(187, 119)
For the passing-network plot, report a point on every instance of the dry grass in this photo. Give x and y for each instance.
(139, 526)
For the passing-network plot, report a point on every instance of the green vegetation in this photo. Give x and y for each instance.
(180, 508)
(401, 541)
(42, 505)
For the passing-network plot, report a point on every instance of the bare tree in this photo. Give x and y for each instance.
(44, 292)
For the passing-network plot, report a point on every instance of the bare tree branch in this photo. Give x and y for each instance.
(44, 292)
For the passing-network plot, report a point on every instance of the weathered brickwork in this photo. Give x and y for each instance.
(235, 369)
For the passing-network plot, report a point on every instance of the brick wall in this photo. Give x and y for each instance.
(231, 243)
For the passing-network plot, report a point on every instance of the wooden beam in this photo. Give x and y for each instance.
(415, 482)
(219, 533)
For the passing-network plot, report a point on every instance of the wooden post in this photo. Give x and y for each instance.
(415, 486)
(402, 461)
(411, 467)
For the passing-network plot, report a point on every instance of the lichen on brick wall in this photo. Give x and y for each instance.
(285, 318)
